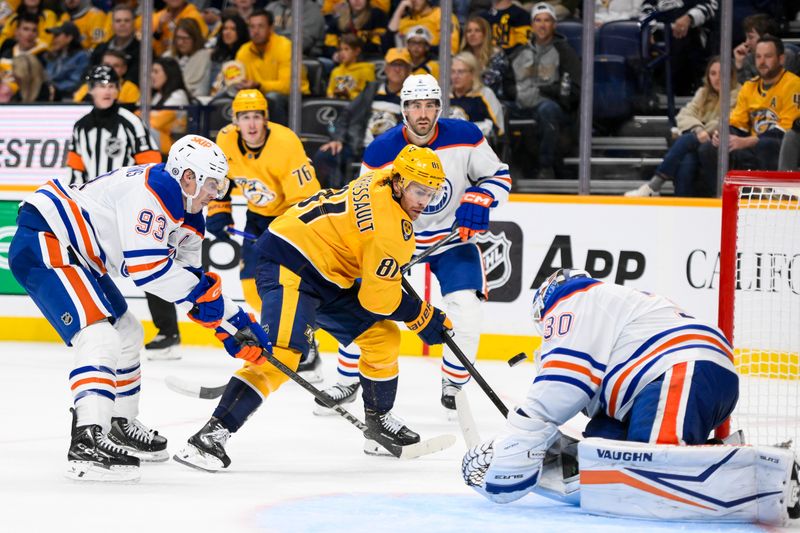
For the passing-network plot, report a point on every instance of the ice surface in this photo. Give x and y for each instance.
(291, 471)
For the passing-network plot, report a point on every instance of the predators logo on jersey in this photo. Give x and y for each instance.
(764, 119)
(255, 192)
(408, 229)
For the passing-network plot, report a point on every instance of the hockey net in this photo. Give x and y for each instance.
(759, 301)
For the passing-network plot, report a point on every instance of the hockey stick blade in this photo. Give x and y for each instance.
(193, 390)
(469, 429)
(427, 446)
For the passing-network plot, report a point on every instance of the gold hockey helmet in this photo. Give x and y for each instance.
(249, 100)
(420, 165)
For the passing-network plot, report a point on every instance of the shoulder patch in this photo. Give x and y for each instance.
(408, 229)
(166, 190)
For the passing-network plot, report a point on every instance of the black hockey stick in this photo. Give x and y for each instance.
(464, 361)
(411, 451)
(196, 390)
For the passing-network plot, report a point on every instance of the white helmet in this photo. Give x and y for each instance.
(205, 159)
(420, 87)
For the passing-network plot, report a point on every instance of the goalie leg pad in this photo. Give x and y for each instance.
(665, 482)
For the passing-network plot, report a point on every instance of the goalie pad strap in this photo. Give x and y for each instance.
(725, 483)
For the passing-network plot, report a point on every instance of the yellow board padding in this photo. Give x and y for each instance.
(767, 364)
(498, 347)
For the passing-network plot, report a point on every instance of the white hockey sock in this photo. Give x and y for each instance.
(126, 404)
(463, 308)
(347, 364)
(93, 381)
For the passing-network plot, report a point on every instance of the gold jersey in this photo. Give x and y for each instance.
(356, 232)
(759, 108)
(271, 179)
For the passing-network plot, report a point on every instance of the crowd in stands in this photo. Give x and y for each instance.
(511, 66)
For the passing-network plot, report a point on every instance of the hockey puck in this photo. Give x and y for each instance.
(517, 359)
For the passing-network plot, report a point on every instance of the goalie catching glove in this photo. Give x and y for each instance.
(508, 467)
(248, 342)
(431, 324)
(472, 215)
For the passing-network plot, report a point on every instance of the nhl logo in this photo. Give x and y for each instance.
(66, 318)
(114, 147)
(496, 252)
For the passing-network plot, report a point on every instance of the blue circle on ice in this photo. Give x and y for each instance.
(422, 513)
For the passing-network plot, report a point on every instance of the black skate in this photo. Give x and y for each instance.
(390, 427)
(138, 440)
(206, 448)
(93, 457)
(162, 348)
(449, 391)
(310, 367)
(339, 394)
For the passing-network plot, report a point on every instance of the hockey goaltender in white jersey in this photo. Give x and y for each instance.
(654, 381)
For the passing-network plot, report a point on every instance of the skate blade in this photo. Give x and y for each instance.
(451, 415)
(163, 354)
(321, 410)
(87, 471)
(148, 457)
(194, 458)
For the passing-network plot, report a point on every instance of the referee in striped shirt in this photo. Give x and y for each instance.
(109, 136)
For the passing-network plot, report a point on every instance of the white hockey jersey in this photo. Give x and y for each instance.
(602, 343)
(468, 161)
(129, 222)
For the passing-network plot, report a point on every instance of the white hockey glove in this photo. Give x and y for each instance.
(508, 467)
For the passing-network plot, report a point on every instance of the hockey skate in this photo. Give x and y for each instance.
(93, 457)
(339, 394)
(449, 391)
(390, 427)
(163, 348)
(205, 449)
(138, 440)
(310, 368)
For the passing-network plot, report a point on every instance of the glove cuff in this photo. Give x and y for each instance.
(217, 207)
(423, 318)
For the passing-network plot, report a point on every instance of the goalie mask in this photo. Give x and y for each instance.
(543, 297)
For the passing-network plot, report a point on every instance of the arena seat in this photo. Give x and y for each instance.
(318, 115)
(573, 31)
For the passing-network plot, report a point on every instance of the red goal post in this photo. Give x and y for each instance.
(759, 301)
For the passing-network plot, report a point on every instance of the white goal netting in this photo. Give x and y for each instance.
(766, 314)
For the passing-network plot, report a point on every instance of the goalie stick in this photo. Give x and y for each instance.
(197, 390)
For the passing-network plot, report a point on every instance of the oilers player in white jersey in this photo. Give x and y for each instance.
(476, 182)
(644, 372)
(143, 222)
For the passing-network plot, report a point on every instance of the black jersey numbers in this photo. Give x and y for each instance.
(388, 268)
(303, 175)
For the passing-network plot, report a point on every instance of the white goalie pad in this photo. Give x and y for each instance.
(665, 482)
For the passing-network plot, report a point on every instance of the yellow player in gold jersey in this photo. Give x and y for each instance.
(269, 167)
(334, 261)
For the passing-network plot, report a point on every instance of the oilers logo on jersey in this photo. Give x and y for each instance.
(447, 195)
(255, 192)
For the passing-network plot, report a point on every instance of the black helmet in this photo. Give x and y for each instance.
(102, 74)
